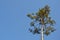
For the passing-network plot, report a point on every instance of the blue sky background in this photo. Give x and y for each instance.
(14, 23)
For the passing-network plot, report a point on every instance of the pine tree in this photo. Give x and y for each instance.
(42, 22)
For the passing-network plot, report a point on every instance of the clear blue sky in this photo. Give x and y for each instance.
(14, 23)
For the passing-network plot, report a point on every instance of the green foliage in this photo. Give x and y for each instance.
(35, 31)
(47, 32)
(32, 24)
(42, 17)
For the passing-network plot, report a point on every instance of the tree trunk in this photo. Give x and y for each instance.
(42, 34)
